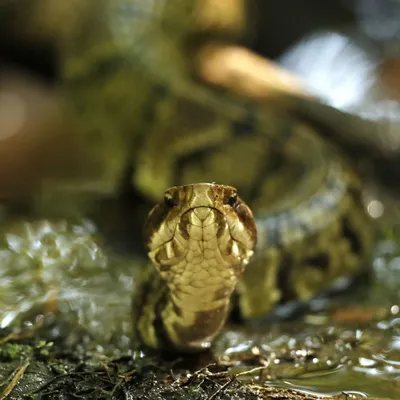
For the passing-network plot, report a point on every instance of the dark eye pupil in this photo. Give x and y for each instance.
(232, 200)
(169, 201)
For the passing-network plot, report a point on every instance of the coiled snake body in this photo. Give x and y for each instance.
(127, 68)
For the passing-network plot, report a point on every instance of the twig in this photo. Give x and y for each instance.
(14, 381)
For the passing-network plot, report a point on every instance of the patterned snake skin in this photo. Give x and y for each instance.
(127, 68)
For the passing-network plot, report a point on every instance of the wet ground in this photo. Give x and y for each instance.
(64, 308)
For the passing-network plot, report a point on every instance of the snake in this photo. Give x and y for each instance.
(126, 69)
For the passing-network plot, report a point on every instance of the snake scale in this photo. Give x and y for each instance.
(127, 68)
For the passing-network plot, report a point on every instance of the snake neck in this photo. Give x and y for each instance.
(194, 319)
(181, 321)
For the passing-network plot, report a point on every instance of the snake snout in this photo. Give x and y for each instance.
(201, 224)
(203, 216)
(202, 213)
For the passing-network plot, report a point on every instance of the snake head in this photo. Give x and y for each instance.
(200, 222)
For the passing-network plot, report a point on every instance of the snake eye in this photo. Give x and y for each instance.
(232, 199)
(169, 200)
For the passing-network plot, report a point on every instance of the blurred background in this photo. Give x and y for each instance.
(347, 51)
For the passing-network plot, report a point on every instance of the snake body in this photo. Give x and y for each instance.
(201, 238)
(126, 65)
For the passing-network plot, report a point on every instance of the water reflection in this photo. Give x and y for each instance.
(356, 350)
(325, 360)
(61, 269)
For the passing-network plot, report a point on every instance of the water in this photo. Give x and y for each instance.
(351, 348)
